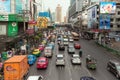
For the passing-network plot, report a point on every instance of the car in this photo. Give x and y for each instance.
(61, 47)
(114, 67)
(71, 50)
(71, 40)
(60, 61)
(41, 47)
(77, 46)
(36, 52)
(35, 77)
(65, 41)
(31, 59)
(87, 78)
(42, 63)
(76, 59)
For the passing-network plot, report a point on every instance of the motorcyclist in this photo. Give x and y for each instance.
(80, 53)
(88, 59)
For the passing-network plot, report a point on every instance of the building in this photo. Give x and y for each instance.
(59, 13)
(14, 21)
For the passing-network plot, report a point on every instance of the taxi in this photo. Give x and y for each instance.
(77, 46)
(41, 47)
(42, 63)
(36, 52)
(31, 59)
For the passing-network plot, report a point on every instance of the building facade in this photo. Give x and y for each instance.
(59, 13)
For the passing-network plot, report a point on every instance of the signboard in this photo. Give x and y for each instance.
(44, 14)
(5, 6)
(3, 17)
(12, 29)
(104, 21)
(92, 17)
(18, 5)
(2, 29)
(108, 7)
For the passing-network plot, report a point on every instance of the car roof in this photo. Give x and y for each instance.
(42, 58)
(59, 55)
(115, 62)
(33, 78)
(74, 55)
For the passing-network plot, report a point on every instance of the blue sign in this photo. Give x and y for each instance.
(44, 14)
(5, 6)
(104, 21)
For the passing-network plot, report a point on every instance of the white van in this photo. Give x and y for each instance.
(48, 52)
(65, 41)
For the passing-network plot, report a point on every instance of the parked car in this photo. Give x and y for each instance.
(35, 77)
(42, 63)
(31, 59)
(77, 46)
(76, 59)
(114, 67)
(71, 50)
(87, 78)
(60, 61)
(61, 47)
(36, 52)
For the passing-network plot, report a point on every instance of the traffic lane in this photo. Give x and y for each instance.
(102, 56)
(78, 71)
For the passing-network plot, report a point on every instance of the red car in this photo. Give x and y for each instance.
(42, 63)
(77, 46)
(41, 47)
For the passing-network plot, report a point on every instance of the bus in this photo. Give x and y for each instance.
(75, 35)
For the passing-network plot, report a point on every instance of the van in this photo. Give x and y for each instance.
(48, 51)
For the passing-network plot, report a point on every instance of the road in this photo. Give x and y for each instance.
(74, 72)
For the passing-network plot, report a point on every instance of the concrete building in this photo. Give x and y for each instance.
(58, 13)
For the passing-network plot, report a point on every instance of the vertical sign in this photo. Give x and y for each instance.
(104, 21)
(12, 29)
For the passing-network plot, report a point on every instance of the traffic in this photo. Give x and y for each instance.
(59, 52)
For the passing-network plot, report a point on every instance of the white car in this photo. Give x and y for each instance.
(71, 40)
(76, 59)
(35, 77)
(60, 61)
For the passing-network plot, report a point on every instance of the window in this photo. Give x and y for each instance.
(111, 19)
(111, 26)
(97, 12)
(118, 12)
(118, 26)
(118, 19)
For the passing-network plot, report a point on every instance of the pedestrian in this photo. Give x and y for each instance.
(80, 53)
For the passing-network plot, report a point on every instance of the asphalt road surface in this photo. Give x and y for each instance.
(74, 72)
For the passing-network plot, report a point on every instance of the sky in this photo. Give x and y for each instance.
(52, 4)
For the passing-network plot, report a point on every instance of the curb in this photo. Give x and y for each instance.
(109, 49)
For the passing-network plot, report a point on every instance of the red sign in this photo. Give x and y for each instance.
(30, 31)
(32, 22)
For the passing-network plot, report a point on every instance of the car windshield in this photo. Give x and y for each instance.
(41, 61)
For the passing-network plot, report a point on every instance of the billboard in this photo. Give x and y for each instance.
(44, 14)
(18, 5)
(108, 7)
(104, 21)
(92, 12)
(5, 6)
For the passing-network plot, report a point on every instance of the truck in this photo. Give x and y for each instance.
(48, 52)
(16, 68)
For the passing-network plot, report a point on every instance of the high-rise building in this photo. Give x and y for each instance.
(58, 13)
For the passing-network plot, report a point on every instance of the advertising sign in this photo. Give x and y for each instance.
(3, 17)
(5, 6)
(18, 5)
(108, 7)
(104, 21)
(92, 17)
(12, 29)
(44, 14)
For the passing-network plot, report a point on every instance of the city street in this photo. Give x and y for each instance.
(74, 72)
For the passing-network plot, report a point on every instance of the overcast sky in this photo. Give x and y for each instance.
(53, 3)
